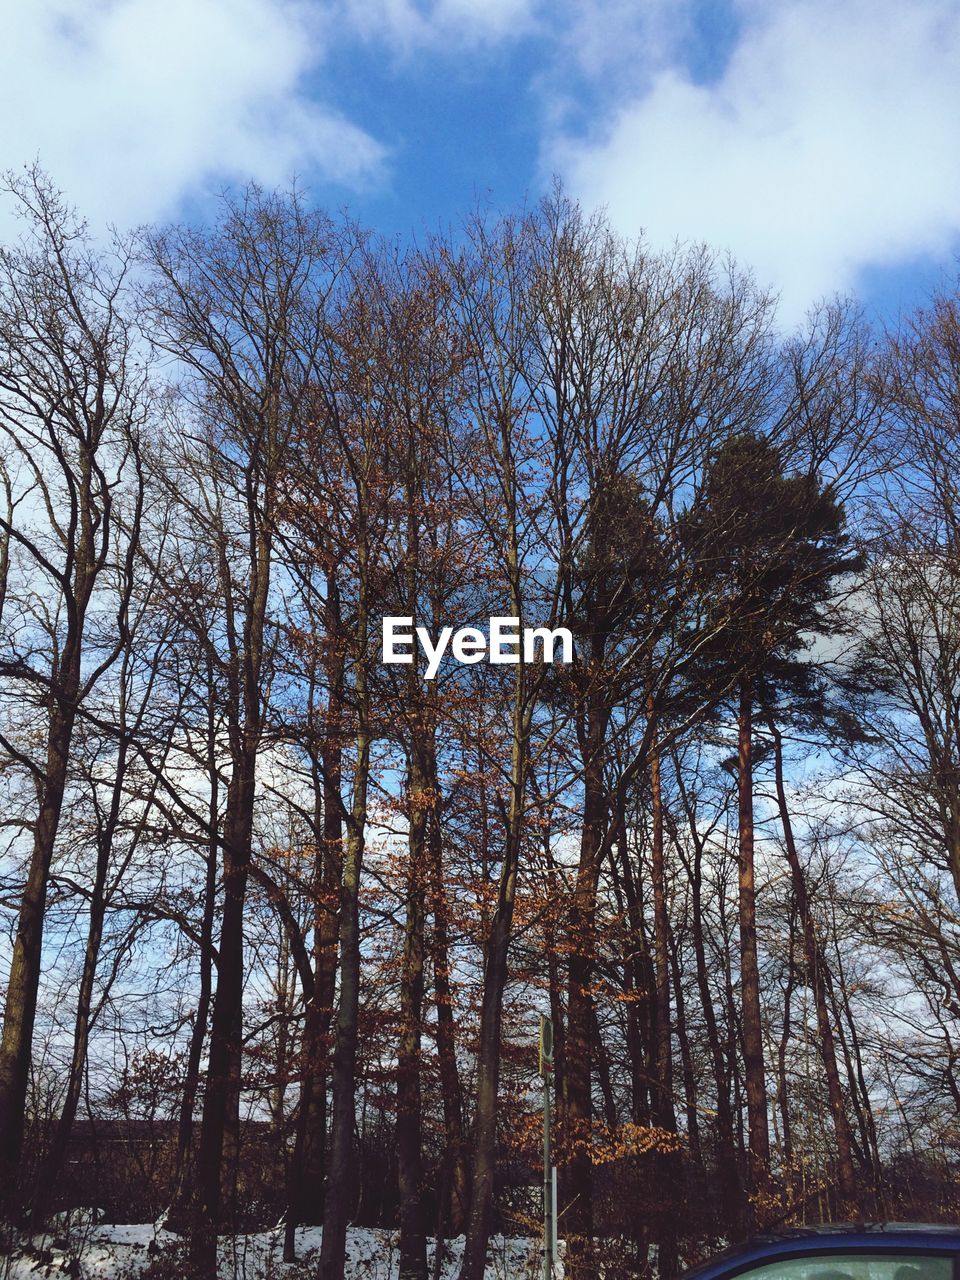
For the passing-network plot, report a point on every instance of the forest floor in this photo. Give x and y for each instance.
(129, 1252)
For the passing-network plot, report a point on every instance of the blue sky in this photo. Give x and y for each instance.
(818, 140)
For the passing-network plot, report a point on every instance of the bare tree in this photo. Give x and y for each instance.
(241, 309)
(73, 399)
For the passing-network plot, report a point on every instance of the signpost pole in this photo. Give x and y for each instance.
(546, 1070)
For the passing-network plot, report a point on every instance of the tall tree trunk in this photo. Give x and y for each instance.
(664, 1113)
(305, 1198)
(70, 401)
(341, 1179)
(218, 1152)
(640, 981)
(604, 1074)
(454, 1193)
(783, 1090)
(751, 1018)
(413, 1236)
(576, 1092)
(816, 976)
(20, 1007)
(221, 1094)
(85, 1016)
(497, 946)
(728, 1164)
(668, 1162)
(183, 1175)
(483, 1166)
(857, 1083)
(183, 1178)
(690, 1096)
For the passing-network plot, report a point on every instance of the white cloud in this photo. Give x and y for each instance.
(132, 105)
(622, 41)
(830, 143)
(451, 26)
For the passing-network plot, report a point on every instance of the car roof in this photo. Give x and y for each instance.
(846, 1236)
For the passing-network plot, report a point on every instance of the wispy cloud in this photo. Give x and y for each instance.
(828, 144)
(133, 105)
(452, 27)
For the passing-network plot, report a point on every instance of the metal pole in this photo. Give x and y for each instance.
(548, 1230)
(553, 1210)
(546, 1070)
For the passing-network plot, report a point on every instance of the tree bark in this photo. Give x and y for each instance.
(413, 1236)
(751, 1017)
(305, 1197)
(576, 1091)
(222, 1085)
(483, 1167)
(341, 1179)
(454, 1192)
(183, 1176)
(664, 1112)
(20, 1007)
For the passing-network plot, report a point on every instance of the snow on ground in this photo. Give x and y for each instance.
(91, 1251)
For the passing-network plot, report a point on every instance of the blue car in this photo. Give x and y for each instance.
(881, 1251)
